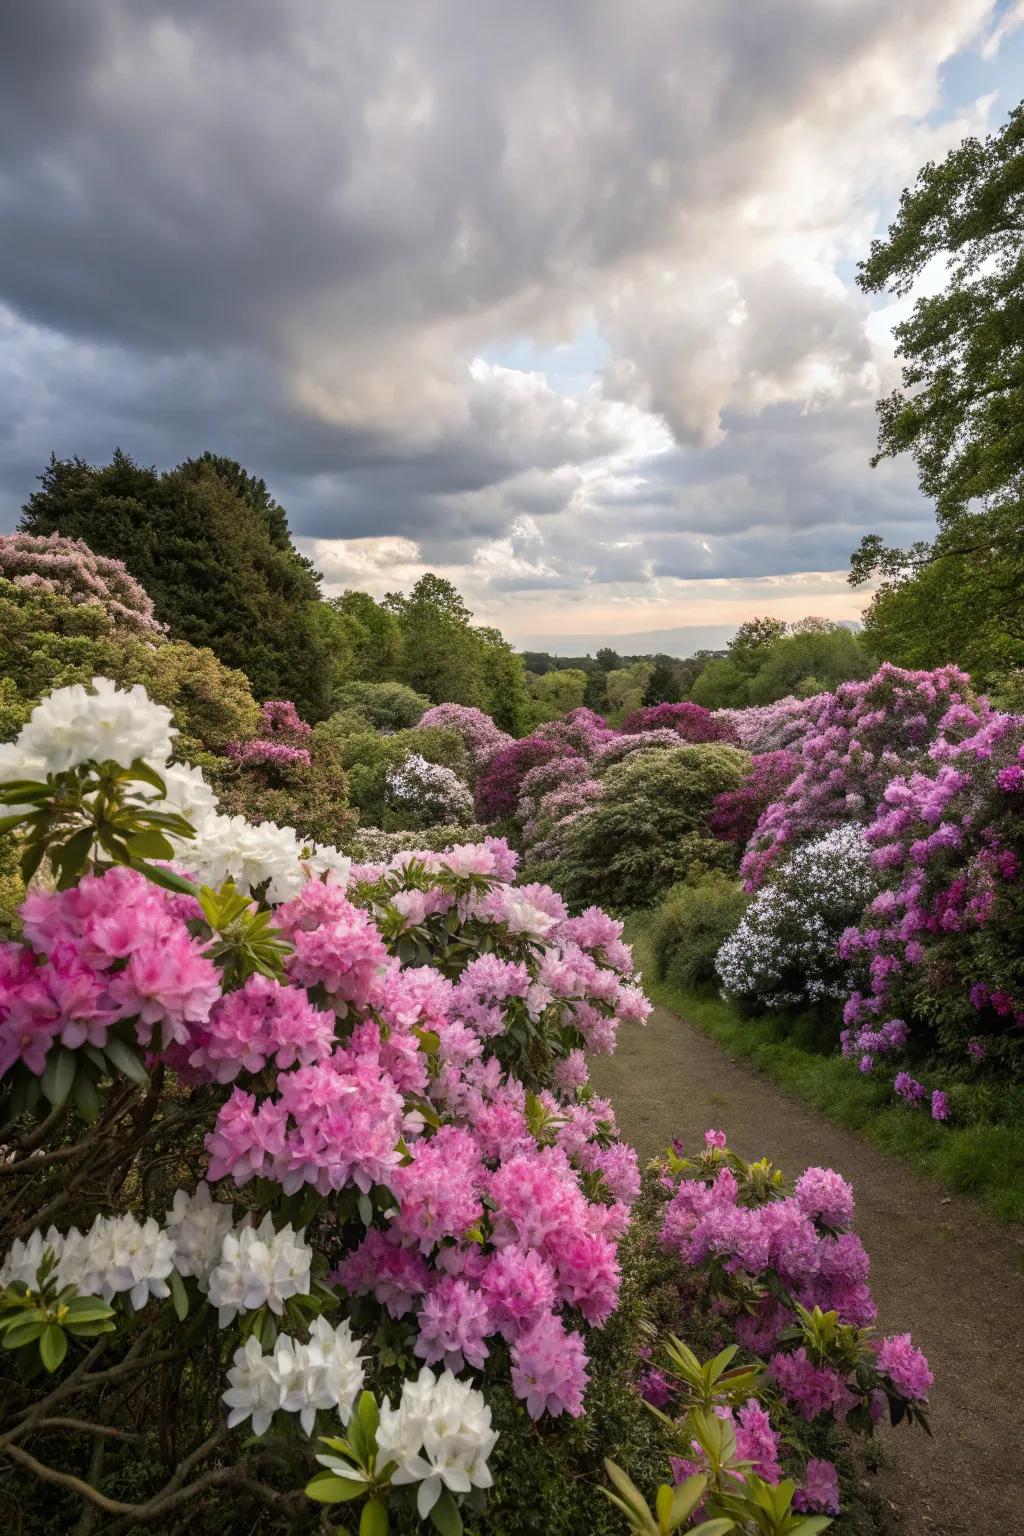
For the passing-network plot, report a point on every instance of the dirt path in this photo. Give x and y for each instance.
(938, 1268)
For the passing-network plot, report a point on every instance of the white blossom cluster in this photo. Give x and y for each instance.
(429, 791)
(118, 1254)
(440, 1435)
(104, 723)
(785, 951)
(325, 1373)
(259, 1267)
(238, 1268)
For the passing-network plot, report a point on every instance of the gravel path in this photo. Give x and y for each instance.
(939, 1268)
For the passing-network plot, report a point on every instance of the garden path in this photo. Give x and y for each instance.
(939, 1268)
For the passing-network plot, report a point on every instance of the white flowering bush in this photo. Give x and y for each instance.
(785, 952)
(423, 794)
(299, 1160)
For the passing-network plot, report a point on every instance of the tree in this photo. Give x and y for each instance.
(370, 636)
(508, 697)
(828, 656)
(721, 684)
(608, 660)
(625, 689)
(556, 693)
(960, 412)
(961, 409)
(665, 685)
(441, 656)
(752, 640)
(205, 542)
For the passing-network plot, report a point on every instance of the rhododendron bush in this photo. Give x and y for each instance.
(784, 1277)
(939, 951)
(306, 1151)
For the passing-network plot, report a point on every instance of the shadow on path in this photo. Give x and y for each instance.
(939, 1268)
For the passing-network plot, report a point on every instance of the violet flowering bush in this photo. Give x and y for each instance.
(301, 1158)
(736, 812)
(52, 563)
(776, 727)
(482, 739)
(285, 773)
(939, 952)
(781, 1276)
(865, 734)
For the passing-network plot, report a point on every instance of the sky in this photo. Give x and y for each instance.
(557, 300)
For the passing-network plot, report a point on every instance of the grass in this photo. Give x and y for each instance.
(984, 1158)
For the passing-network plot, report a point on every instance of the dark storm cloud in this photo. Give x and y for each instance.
(283, 232)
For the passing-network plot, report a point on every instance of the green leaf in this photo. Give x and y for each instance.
(121, 1056)
(87, 1100)
(327, 1488)
(685, 1499)
(374, 1519)
(179, 1295)
(150, 844)
(53, 1346)
(167, 878)
(445, 1515)
(369, 1416)
(148, 775)
(58, 1075)
(23, 1333)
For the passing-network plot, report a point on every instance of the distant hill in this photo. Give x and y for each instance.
(684, 640)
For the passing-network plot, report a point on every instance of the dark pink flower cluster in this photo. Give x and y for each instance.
(691, 722)
(736, 812)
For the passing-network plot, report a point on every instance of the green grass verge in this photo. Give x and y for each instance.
(983, 1159)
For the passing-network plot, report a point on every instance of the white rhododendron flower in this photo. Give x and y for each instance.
(325, 1374)
(440, 1436)
(187, 793)
(254, 1388)
(197, 1226)
(523, 917)
(259, 1267)
(120, 1254)
(73, 726)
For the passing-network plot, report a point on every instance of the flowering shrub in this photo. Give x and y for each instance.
(371, 845)
(775, 727)
(427, 793)
(376, 1079)
(619, 747)
(864, 734)
(785, 1279)
(498, 788)
(287, 774)
(482, 739)
(581, 730)
(938, 950)
(785, 951)
(692, 722)
(51, 563)
(736, 812)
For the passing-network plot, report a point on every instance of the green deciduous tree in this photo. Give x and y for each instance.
(960, 412)
(556, 693)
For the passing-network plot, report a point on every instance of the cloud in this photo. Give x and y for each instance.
(312, 236)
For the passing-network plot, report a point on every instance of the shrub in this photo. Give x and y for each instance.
(47, 641)
(865, 731)
(368, 757)
(690, 926)
(690, 721)
(480, 736)
(650, 827)
(386, 706)
(619, 747)
(386, 1159)
(50, 563)
(289, 775)
(736, 812)
(372, 845)
(772, 727)
(941, 945)
(422, 794)
(786, 949)
(498, 788)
